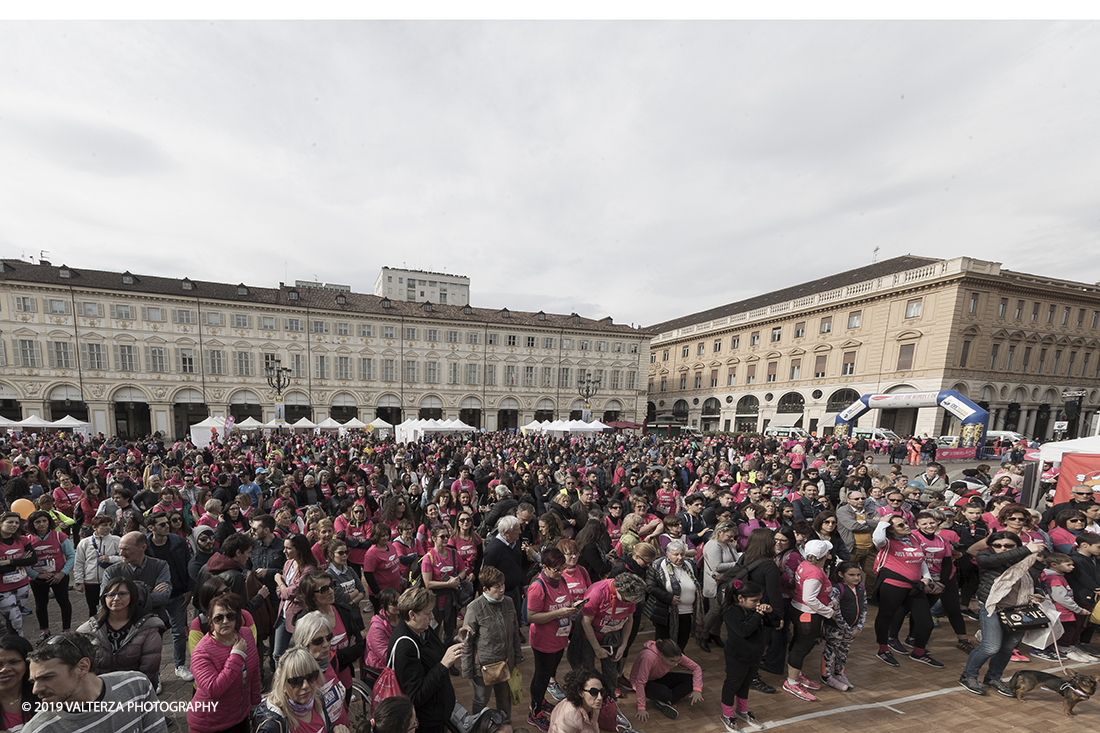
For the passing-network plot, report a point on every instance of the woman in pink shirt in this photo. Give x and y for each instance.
(901, 568)
(653, 675)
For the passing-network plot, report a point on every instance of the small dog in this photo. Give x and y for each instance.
(1073, 690)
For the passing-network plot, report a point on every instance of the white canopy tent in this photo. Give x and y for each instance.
(249, 423)
(533, 426)
(354, 423)
(329, 424)
(413, 430)
(304, 424)
(200, 432)
(34, 423)
(1054, 451)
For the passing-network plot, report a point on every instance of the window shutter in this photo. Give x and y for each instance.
(206, 360)
(175, 315)
(114, 313)
(18, 361)
(18, 306)
(99, 309)
(148, 359)
(51, 354)
(84, 356)
(144, 314)
(118, 362)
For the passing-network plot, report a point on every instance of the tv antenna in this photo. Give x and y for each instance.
(874, 256)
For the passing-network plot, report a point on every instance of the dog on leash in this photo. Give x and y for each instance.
(1073, 690)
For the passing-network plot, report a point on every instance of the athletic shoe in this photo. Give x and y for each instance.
(897, 646)
(1018, 657)
(910, 641)
(621, 723)
(936, 622)
(799, 691)
(836, 684)
(926, 658)
(750, 720)
(970, 614)
(540, 720)
(1000, 687)
(184, 674)
(887, 657)
(731, 724)
(761, 686)
(27, 612)
(1047, 655)
(667, 710)
(1079, 656)
(804, 681)
(555, 691)
(160, 687)
(972, 684)
(965, 646)
(844, 679)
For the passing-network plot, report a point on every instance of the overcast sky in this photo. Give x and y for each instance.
(643, 170)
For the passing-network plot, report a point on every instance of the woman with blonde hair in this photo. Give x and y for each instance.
(313, 632)
(293, 701)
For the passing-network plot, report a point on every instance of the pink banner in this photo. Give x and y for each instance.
(948, 454)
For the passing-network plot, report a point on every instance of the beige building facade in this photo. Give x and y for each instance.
(1010, 341)
(134, 354)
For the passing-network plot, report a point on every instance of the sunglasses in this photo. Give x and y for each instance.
(1004, 546)
(1016, 519)
(321, 640)
(323, 588)
(303, 679)
(1082, 493)
(223, 618)
(59, 640)
(597, 691)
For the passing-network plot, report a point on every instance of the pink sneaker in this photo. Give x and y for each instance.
(1018, 657)
(804, 681)
(836, 684)
(799, 691)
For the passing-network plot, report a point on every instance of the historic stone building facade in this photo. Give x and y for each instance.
(136, 353)
(1010, 341)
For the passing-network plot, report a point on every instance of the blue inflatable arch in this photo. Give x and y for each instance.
(975, 420)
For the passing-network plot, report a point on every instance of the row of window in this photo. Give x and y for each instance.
(186, 316)
(1065, 317)
(159, 359)
(1016, 359)
(847, 368)
(825, 325)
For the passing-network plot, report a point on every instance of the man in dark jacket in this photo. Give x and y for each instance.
(267, 556)
(205, 548)
(1082, 497)
(1085, 578)
(172, 549)
(229, 565)
(504, 554)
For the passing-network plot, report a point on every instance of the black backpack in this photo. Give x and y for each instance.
(741, 572)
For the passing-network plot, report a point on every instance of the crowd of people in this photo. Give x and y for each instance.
(285, 568)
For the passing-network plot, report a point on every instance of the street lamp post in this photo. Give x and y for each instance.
(587, 387)
(278, 378)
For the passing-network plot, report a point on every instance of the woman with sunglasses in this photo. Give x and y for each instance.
(442, 576)
(1017, 518)
(579, 712)
(336, 555)
(125, 642)
(468, 545)
(313, 632)
(825, 527)
(994, 556)
(55, 560)
(293, 705)
(902, 588)
(299, 562)
(356, 529)
(317, 592)
(1068, 524)
(895, 505)
(214, 587)
(394, 509)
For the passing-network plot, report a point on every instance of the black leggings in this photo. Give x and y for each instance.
(739, 676)
(671, 688)
(91, 597)
(634, 628)
(41, 590)
(683, 631)
(805, 634)
(546, 666)
(950, 600)
(894, 603)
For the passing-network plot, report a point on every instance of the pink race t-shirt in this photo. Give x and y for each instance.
(384, 563)
(607, 611)
(467, 552)
(438, 568)
(552, 636)
(578, 582)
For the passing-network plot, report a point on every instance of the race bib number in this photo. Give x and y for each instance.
(45, 565)
(14, 576)
(613, 624)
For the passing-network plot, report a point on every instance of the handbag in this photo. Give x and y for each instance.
(386, 685)
(1094, 617)
(495, 673)
(1021, 618)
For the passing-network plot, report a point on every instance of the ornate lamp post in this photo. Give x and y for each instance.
(587, 387)
(278, 378)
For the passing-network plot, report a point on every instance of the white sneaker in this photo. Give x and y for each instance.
(555, 691)
(1079, 656)
(184, 674)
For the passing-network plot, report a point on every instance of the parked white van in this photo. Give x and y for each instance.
(796, 433)
(994, 435)
(875, 434)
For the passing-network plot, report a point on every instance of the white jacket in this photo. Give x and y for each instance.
(86, 568)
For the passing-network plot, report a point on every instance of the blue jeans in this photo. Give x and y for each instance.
(996, 647)
(282, 639)
(177, 616)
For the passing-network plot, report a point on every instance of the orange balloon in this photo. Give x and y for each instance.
(22, 507)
